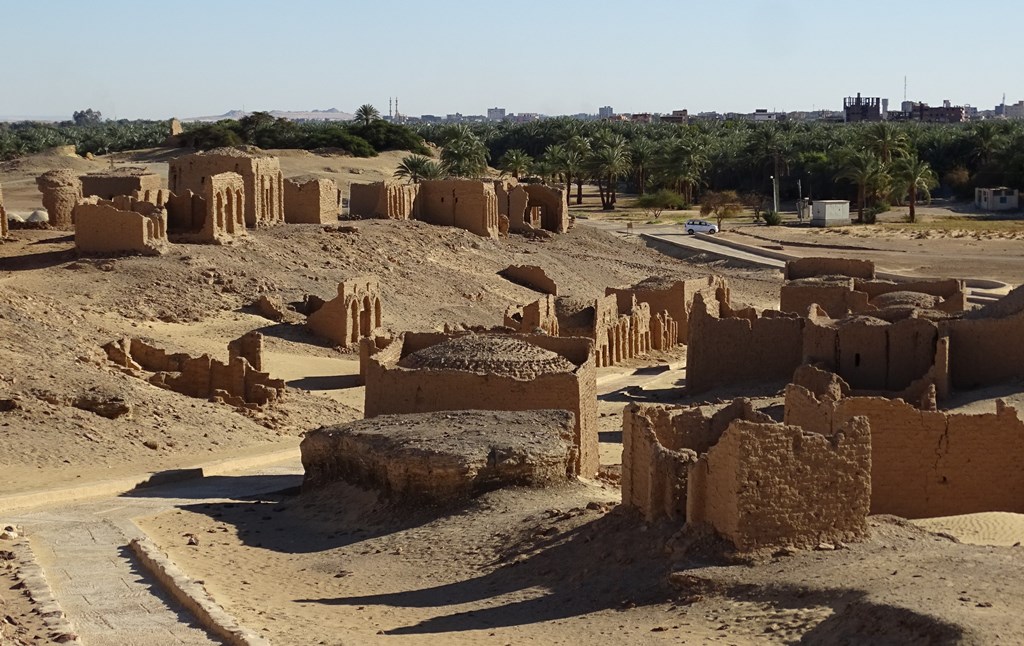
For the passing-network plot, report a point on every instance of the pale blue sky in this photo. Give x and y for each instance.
(160, 58)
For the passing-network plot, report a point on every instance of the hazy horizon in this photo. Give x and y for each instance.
(191, 59)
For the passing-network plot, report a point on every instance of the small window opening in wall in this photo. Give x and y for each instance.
(856, 360)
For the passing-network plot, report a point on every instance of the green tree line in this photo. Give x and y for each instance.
(364, 137)
(871, 164)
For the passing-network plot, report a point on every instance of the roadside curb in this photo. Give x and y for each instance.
(30, 575)
(31, 499)
(768, 254)
(193, 596)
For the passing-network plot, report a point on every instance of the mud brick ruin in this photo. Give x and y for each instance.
(429, 372)
(3, 216)
(236, 383)
(619, 333)
(530, 276)
(215, 214)
(903, 345)
(443, 458)
(263, 183)
(674, 297)
(680, 464)
(538, 317)
(923, 463)
(353, 314)
(311, 200)
(122, 181)
(123, 225)
(621, 326)
(466, 204)
(474, 205)
(383, 200)
(62, 191)
(842, 287)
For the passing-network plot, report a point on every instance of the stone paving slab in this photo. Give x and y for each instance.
(110, 600)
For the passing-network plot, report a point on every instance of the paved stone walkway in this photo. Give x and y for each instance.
(83, 550)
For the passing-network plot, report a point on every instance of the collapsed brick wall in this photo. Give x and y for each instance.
(355, 313)
(123, 225)
(513, 203)
(62, 191)
(311, 201)
(467, 204)
(985, 351)
(618, 334)
(552, 207)
(660, 442)
(871, 354)
(811, 267)
(261, 178)
(676, 297)
(539, 315)
(926, 463)
(236, 383)
(108, 184)
(391, 388)
(725, 350)
(385, 200)
(530, 276)
(840, 295)
(772, 484)
(835, 295)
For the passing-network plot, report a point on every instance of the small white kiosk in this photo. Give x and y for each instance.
(830, 213)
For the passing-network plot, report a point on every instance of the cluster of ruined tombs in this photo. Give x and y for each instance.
(864, 364)
(215, 196)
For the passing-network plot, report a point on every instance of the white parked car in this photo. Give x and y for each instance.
(700, 226)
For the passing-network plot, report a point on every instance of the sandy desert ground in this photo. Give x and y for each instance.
(515, 566)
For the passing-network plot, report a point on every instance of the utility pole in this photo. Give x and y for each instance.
(775, 194)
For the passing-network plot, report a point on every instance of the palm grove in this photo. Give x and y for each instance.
(875, 165)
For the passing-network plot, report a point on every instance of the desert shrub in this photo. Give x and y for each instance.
(772, 218)
(663, 199)
(872, 212)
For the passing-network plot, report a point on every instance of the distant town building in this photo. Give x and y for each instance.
(1014, 111)
(858, 109)
(762, 114)
(678, 116)
(996, 199)
(495, 114)
(605, 112)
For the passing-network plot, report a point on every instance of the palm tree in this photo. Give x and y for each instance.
(985, 141)
(915, 177)
(411, 168)
(464, 155)
(608, 162)
(433, 170)
(515, 162)
(641, 155)
(769, 148)
(863, 169)
(367, 113)
(682, 164)
(886, 140)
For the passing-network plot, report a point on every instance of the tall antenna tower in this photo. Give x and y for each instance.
(904, 87)
(397, 118)
(390, 115)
